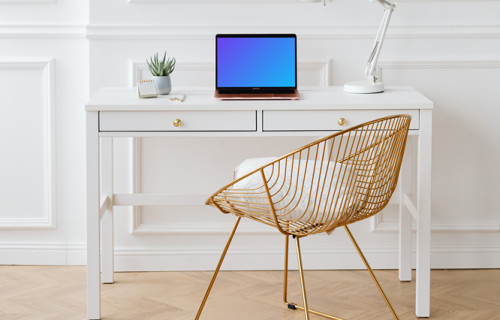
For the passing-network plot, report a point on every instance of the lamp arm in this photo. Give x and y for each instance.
(370, 70)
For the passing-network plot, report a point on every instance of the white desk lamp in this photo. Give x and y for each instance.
(372, 84)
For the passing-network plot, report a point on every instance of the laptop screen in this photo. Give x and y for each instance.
(256, 61)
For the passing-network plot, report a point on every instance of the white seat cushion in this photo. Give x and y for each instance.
(296, 189)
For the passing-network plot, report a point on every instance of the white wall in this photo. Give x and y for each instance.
(449, 50)
(43, 87)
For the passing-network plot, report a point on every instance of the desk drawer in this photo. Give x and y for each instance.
(189, 121)
(326, 120)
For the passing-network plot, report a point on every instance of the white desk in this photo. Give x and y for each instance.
(117, 112)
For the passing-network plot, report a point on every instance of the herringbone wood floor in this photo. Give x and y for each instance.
(53, 293)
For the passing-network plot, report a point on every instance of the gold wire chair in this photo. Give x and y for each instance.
(330, 183)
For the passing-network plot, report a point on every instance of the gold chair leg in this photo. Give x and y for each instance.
(294, 306)
(285, 273)
(301, 272)
(216, 272)
(371, 272)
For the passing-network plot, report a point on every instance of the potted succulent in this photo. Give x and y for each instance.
(161, 70)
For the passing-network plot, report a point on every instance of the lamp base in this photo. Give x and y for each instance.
(364, 87)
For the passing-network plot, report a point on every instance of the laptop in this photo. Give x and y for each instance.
(256, 66)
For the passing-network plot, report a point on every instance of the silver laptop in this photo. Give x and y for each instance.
(256, 66)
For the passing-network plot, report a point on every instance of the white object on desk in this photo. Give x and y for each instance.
(146, 89)
(179, 97)
(118, 112)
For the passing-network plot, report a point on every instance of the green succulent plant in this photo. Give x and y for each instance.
(162, 67)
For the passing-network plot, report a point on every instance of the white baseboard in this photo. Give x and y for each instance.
(245, 259)
(465, 257)
(442, 257)
(43, 254)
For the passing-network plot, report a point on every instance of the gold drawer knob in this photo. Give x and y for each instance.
(177, 123)
(341, 121)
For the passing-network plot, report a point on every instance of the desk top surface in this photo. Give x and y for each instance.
(126, 99)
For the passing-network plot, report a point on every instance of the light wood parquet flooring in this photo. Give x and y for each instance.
(53, 293)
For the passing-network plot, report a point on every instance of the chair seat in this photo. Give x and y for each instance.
(296, 188)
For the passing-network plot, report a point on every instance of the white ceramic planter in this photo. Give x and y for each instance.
(163, 84)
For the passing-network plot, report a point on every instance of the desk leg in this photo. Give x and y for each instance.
(405, 222)
(424, 215)
(107, 218)
(93, 236)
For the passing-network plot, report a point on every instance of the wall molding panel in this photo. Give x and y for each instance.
(473, 1)
(48, 214)
(27, 1)
(380, 257)
(218, 1)
(268, 1)
(42, 253)
(137, 227)
(138, 68)
(315, 69)
(151, 32)
(319, 68)
(193, 32)
(166, 259)
(490, 62)
(23, 31)
(189, 230)
(476, 226)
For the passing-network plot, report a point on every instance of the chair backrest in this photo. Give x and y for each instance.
(346, 177)
(377, 162)
(340, 179)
